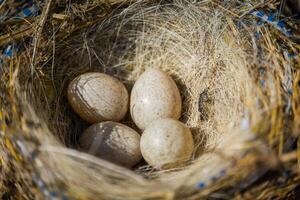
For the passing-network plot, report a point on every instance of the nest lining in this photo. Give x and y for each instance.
(193, 46)
(197, 48)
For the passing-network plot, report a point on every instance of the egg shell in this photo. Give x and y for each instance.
(166, 143)
(153, 96)
(113, 142)
(97, 97)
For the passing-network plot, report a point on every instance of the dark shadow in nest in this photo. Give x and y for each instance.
(290, 8)
(205, 101)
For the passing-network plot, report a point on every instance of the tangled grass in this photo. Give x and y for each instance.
(240, 97)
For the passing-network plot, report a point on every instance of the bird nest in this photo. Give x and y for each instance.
(238, 84)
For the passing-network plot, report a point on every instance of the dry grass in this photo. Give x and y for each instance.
(242, 128)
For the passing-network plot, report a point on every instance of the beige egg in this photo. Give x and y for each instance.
(113, 142)
(97, 97)
(154, 95)
(166, 143)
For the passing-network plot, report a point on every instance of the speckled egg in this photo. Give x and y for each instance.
(166, 143)
(113, 142)
(97, 97)
(154, 95)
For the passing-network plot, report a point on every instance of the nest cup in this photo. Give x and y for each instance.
(196, 46)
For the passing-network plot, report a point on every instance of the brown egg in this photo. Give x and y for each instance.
(166, 143)
(113, 142)
(154, 95)
(97, 97)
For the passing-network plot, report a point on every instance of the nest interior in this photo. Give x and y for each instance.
(216, 64)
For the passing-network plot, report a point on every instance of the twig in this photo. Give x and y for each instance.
(2, 4)
(7, 38)
(289, 156)
(39, 32)
(229, 11)
(254, 7)
(282, 5)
